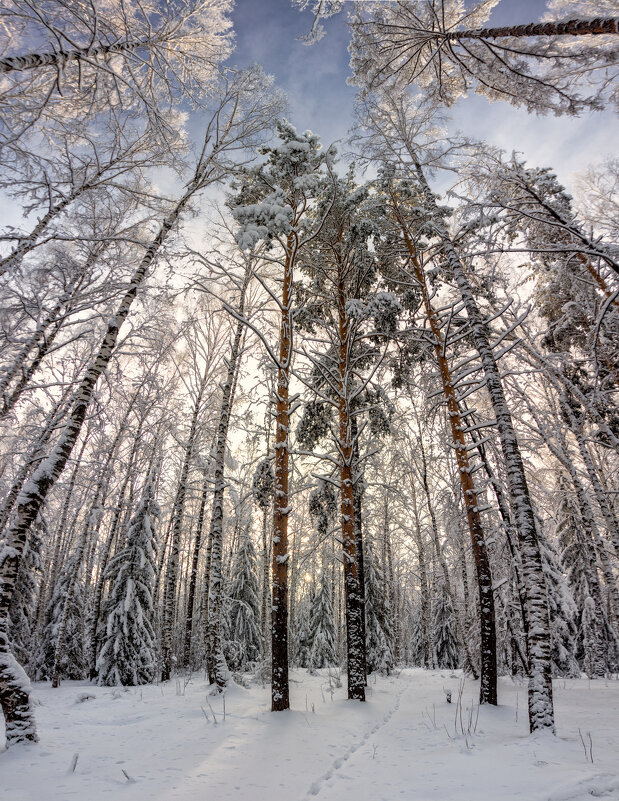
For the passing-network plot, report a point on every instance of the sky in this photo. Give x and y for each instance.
(314, 78)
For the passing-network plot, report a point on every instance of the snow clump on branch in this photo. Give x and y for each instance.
(262, 221)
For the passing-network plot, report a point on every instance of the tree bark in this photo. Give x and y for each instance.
(280, 699)
(358, 507)
(354, 606)
(488, 659)
(215, 660)
(14, 692)
(573, 27)
(424, 588)
(193, 576)
(178, 513)
(59, 58)
(36, 456)
(541, 710)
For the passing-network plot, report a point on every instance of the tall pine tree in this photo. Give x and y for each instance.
(243, 645)
(128, 653)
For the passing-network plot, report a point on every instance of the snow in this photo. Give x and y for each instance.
(406, 742)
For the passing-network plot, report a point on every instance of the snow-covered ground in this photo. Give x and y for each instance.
(406, 742)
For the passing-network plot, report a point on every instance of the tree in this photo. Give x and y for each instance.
(273, 206)
(540, 683)
(104, 57)
(242, 112)
(442, 47)
(127, 654)
(599, 643)
(243, 641)
(445, 641)
(350, 341)
(72, 663)
(322, 625)
(402, 202)
(301, 630)
(409, 138)
(177, 525)
(215, 659)
(379, 618)
(22, 611)
(563, 615)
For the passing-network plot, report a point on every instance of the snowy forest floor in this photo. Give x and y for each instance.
(406, 742)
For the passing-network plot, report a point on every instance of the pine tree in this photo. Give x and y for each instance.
(598, 645)
(272, 206)
(22, 609)
(378, 617)
(322, 626)
(563, 614)
(594, 661)
(445, 642)
(73, 663)
(301, 635)
(243, 645)
(128, 652)
(414, 649)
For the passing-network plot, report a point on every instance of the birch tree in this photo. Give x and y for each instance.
(241, 114)
(443, 48)
(62, 61)
(395, 135)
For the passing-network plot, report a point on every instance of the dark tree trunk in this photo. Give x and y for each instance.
(280, 697)
(488, 657)
(541, 710)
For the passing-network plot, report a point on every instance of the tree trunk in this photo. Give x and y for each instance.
(215, 660)
(488, 659)
(14, 692)
(462, 636)
(280, 698)
(36, 456)
(62, 536)
(178, 513)
(424, 587)
(100, 582)
(508, 528)
(358, 507)
(193, 577)
(59, 58)
(541, 710)
(355, 641)
(29, 242)
(573, 27)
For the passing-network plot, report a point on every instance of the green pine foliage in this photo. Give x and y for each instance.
(243, 645)
(322, 627)
(445, 641)
(378, 618)
(127, 655)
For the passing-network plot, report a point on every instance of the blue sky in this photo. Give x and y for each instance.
(314, 79)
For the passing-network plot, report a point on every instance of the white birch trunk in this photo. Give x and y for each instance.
(541, 710)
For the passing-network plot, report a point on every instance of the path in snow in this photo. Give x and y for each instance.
(427, 757)
(341, 760)
(406, 743)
